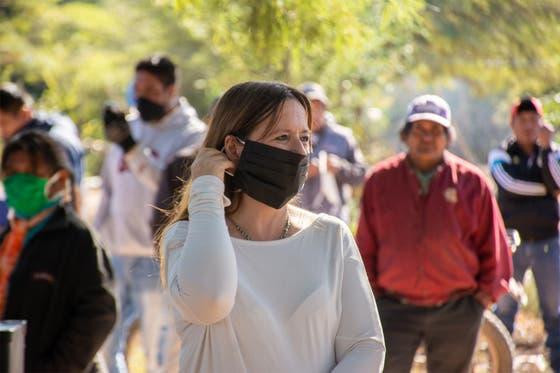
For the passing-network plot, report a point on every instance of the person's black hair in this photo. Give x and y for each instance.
(40, 147)
(13, 98)
(161, 67)
(526, 104)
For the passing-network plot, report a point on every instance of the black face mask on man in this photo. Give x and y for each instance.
(270, 175)
(149, 111)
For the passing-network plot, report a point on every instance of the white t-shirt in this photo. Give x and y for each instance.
(300, 304)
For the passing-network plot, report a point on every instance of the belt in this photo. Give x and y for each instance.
(429, 304)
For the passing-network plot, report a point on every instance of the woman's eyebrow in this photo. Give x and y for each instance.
(278, 131)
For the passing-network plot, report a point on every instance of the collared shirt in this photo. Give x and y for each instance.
(426, 247)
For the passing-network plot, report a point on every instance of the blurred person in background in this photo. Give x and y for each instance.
(433, 243)
(337, 163)
(526, 169)
(143, 144)
(17, 116)
(53, 273)
(176, 174)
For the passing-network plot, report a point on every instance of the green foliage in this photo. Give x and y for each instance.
(496, 45)
(73, 55)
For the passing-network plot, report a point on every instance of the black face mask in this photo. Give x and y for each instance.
(270, 175)
(149, 110)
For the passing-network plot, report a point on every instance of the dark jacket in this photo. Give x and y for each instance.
(526, 188)
(60, 285)
(173, 178)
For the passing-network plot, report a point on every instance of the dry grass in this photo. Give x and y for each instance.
(136, 356)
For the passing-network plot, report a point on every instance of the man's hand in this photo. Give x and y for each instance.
(546, 133)
(116, 127)
(313, 170)
(334, 164)
(483, 298)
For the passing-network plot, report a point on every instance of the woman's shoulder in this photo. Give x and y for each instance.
(319, 223)
(176, 232)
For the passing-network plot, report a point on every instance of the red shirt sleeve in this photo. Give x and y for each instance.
(493, 251)
(366, 234)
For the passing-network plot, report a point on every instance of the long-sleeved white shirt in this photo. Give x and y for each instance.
(300, 304)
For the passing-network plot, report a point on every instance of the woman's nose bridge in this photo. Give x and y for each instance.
(298, 146)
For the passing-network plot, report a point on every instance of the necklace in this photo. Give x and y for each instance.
(246, 236)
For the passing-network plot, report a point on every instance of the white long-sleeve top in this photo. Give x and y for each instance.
(300, 304)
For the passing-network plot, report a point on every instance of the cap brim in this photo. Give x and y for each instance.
(428, 116)
(318, 97)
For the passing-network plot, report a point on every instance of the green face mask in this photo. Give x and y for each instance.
(26, 194)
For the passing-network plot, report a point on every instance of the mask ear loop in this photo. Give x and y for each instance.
(223, 151)
(51, 182)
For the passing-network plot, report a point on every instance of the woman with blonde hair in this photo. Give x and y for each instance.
(256, 284)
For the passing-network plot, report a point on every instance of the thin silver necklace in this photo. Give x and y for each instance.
(246, 236)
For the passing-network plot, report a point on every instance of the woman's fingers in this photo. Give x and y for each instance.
(211, 161)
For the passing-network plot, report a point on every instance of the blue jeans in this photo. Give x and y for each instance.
(543, 258)
(140, 298)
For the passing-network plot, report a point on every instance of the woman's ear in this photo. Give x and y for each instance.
(232, 148)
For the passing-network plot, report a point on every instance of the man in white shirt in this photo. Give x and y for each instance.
(143, 144)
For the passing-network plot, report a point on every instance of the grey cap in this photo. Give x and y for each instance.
(314, 91)
(429, 107)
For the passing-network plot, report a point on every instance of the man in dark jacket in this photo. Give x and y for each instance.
(527, 171)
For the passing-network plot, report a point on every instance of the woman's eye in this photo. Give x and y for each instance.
(305, 138)
(282, 138)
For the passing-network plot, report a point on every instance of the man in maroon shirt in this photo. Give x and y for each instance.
(433, 243)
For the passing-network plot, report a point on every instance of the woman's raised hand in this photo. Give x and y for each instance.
(210, 161)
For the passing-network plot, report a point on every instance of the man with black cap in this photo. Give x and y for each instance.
(337, 163)
(433, 243)
(526, 169)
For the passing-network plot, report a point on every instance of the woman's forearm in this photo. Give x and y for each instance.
(202, 279)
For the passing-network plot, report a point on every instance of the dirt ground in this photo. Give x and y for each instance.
(529, 338)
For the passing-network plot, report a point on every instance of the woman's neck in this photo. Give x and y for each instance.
(259, 221)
